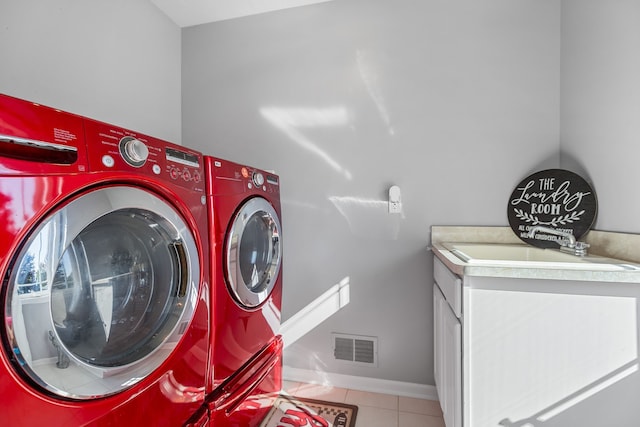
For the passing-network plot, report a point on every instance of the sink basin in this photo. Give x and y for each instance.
(515, 255)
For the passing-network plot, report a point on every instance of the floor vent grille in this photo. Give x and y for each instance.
(356, 349)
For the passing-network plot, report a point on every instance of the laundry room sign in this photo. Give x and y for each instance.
(552, 198)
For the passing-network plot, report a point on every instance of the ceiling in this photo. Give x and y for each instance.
(186, 13)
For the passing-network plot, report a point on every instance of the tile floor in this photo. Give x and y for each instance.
(375, 409)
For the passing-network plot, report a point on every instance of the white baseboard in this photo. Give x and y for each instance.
(375, 385)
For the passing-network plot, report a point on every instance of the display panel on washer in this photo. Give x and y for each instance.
(253, 252)
(101, 292)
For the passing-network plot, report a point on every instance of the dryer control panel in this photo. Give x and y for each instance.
(226, 176)
(258, 179)
(113, 148)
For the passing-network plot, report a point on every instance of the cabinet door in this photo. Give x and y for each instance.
(552, 353)
(448, 359)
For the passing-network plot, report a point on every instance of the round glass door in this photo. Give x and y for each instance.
(101, 292)
(253, 252)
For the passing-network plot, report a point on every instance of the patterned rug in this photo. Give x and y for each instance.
(289, 411)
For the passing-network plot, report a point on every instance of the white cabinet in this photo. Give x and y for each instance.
(536, 352)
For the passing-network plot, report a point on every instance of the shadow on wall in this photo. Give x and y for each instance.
(569, 162)
(293, 122)
(368, 218)
(316, 312)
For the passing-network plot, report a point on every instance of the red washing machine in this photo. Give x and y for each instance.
(245, 231)
(105, 274)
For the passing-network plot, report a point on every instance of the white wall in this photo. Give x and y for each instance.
(601, 104)
(117, 61)
(454, 101)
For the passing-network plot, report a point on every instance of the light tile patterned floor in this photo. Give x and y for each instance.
(375, 409)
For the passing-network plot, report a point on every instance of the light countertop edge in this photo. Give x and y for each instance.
(614, 245)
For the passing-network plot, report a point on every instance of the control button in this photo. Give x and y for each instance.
(258, 179)
(108, 161)
(156, 169)
(173, 173)
(133, 151)
(196, 176)
(186, 175)
(249, 186)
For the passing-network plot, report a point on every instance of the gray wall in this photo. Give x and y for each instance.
(117, 61)
(601, 104)
(455, 102)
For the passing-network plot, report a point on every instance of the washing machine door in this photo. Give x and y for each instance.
(101, 292)
(253, 252)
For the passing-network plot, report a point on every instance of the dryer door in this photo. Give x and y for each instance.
(101, 292)
(253, 252)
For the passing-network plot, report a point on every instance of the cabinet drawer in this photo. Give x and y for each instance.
(449, 284)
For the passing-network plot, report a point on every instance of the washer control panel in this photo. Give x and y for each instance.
(116, 149)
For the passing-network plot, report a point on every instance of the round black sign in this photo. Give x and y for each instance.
(551, 199)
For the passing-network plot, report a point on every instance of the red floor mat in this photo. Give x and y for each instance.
(290, 411)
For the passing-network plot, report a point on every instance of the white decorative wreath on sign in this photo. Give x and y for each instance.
(561, 220)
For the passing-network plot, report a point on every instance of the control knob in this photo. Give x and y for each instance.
(258, 179)
(133, 151)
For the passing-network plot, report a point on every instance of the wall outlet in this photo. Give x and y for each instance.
(395, 199)
(395, 207)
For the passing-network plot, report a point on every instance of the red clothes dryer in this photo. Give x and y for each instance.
(246, 236)
(105, 295)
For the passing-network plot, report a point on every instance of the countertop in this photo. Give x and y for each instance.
(613, 245)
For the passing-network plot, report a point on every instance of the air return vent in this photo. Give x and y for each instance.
(356, 349)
